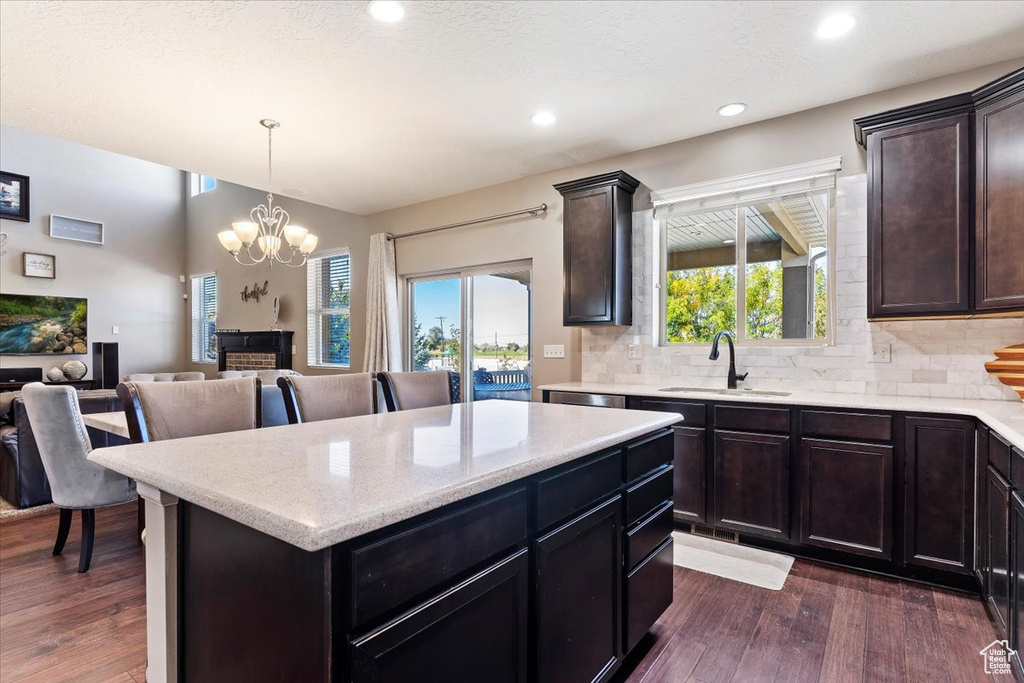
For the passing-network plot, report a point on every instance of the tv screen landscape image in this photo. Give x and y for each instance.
(43, 325)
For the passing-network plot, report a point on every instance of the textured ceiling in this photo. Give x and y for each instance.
(377, 116)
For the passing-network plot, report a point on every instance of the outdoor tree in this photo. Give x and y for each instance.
(420, 352)
(764, 301)
(453, 348)
(434, 338)
(700, 303)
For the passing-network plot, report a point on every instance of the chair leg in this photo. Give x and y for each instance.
(88, 531)
(63, 527)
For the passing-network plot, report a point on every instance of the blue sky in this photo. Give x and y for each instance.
(501, 307)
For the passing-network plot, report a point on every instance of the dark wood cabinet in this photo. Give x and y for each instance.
(690, 471)
(578, 585)
(946, 204)
(751, 491)
(477, 631)
(846, 497)
(939, 501)
(596, 228)
(997, 552)
(999, 198)
(919, 219)
(648, 593)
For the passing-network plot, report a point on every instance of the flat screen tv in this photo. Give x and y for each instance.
(43, 325)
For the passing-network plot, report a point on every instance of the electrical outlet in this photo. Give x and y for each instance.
(881, 353)
(554, 351)
(633, 352)
(115, 330)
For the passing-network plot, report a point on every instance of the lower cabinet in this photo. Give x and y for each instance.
(690, 472)
(939, 494)
(578, 584)
(485, 615)
(1017, 611)
(648, 593)
(847, 493)
(751, 492)
(997, 540)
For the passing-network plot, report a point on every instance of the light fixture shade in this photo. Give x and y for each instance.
(269, 244)
(309, 244)
(229, 240)
(294, 235)
(246, 231)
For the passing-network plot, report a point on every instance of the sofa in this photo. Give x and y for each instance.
(23, 482)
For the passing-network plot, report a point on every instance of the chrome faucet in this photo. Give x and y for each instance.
(733, 377)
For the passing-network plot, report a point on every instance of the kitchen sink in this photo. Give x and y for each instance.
(724, 392)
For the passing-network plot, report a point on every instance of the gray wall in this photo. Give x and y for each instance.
(212, 212)
(804, 136)
(131, 281)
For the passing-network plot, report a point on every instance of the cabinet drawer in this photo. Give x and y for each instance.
(487, 614)
(433, 552)
(999, 454)
(569, 491)
(648, 594)
(693, 413)
(853, 426)
(648, 535)
(648, 455)
(748, 419)
(648, 494)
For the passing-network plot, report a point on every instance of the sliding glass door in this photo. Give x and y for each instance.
(476, 319)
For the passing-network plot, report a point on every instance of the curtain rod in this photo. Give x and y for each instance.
(532, 211)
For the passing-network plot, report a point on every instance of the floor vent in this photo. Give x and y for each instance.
(717, 534)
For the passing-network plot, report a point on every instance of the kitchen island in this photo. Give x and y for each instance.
(489, 541)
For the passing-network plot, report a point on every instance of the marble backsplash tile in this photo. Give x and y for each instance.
(941, 358)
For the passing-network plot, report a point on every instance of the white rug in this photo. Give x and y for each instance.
(730, 561)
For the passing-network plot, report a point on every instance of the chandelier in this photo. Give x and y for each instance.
(269, 229)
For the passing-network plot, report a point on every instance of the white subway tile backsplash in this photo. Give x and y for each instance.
(942, 358)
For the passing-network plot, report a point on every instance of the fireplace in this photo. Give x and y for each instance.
(269, 350)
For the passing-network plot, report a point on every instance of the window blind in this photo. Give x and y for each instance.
(328, 293)
(204, 318)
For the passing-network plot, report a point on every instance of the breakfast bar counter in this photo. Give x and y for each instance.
(483, 541)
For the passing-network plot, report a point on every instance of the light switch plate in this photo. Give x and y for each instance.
(881, 353)
(115, 330)
(554, 350)
(633, 352)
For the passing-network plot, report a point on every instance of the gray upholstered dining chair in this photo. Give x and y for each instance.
(328, 397)
(156, 411)
(409, 390)
(75, 482)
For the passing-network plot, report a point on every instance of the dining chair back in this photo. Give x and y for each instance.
(328, 397)
(409, 390)
(157, 411)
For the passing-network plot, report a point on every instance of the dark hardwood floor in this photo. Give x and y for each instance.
(827, 624)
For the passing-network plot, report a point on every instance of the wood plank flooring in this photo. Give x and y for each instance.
(826, 624)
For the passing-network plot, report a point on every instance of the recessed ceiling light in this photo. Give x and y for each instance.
(543, 118)
(728, 241)
(835, 26)
(386, 10)
(732, 109)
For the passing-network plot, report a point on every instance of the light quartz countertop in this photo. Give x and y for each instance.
(317, 484)
(115, 423)
(1006, 418)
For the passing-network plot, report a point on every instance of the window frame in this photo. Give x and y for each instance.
(729, 193)
(315, 314)
(193, 320)
(196, 184)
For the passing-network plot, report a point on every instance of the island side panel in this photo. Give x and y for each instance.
(253, 608)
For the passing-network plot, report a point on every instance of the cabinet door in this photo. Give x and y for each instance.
(997, 520)
(477, 631)
(690, 471)
(1017, 528)
(752, 483)
(846, 497)
(590, 258)
(648, 593)
(980, 524)
(578, 597)
(939, 486)
(919, 219)
(999, 221)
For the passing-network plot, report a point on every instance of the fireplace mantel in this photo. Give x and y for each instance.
(260, 350)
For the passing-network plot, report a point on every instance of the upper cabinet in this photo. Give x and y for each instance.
(597, 280)
(946, 204)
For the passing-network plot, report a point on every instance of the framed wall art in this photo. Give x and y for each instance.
(80, 230)
(39, 265)
(13, 196)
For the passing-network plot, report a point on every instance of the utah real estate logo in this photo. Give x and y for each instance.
(997, 657)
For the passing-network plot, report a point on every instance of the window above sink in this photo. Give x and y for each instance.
(753, 255)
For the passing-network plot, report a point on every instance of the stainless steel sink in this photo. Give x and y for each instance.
(724, 392)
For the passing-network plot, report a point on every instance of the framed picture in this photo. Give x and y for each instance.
(13, 196)
(40, 265)
(78, 229)
(43, 325)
